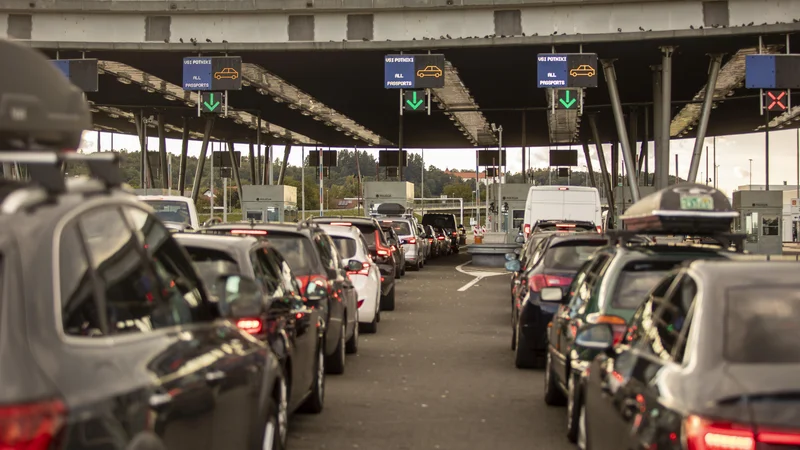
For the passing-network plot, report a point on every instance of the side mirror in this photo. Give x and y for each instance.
(241, 295)
(519, 239)
(551, 294)
(513, 265)
(597, 336)
(511, 256)
(517, 251)
(354, 265)
(316, 292)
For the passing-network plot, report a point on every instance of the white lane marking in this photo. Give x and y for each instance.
(479, 275)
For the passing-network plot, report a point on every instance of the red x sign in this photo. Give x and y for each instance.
(776, 100)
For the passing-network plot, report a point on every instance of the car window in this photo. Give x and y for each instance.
(345, 245)
(325, 252)
(636, 280)
(635, 331)
(171, 210)
(201, 254)
(761, 325)
(580, 277)
(570, 256)
(265, 273)
(80, 310)
(665, 317)
(401, 228)
(297, 251)
(172, 266)
(584, 292)
(287, 279)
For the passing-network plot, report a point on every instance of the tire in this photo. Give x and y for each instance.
(371, 327)
(583, 437)
(335, 362)
(316, 399)
(352, 343)
(552, 394)
(524, 356)
(574, 402)
(387, 301)
(513, 333)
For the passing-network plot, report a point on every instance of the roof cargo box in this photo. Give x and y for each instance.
(391, 209)
(686, 208)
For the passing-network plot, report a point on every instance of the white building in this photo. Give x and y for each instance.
(791, 205)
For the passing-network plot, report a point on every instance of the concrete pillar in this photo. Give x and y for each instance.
(162, 151)
(184, 157)
(657, 100)
(705, 113)
(666, 110)
(235, 167)
(201, 160)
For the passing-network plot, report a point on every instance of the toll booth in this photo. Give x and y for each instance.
(377, 192)
(760, 214)
(512, 217)
(269, 203)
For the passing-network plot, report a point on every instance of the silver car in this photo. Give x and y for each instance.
(413, 244)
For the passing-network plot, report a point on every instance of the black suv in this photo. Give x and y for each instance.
(108, 336)
(379, 248)
(448, 223)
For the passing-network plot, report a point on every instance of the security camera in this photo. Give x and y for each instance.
(494, 127)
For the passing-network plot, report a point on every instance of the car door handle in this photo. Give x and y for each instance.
(160, 400)
(213, 376)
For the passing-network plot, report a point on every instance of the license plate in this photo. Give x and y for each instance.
(697, 202)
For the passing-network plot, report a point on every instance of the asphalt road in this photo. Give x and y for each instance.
(439, 374)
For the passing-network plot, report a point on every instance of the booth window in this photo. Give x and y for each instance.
(255, 215)
(769, 225)
(289, 214)
(273, 214)
(519, 217)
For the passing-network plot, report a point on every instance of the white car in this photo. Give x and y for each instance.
(367, 280)
(174, 209)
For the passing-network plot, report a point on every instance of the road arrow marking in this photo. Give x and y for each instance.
(479, 275)
(213, 105)
(568, 103)
(416, 103)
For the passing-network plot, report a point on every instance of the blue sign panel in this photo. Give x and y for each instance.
(62, 65)
(552, 71)
(399, 72)
(197, 74)
(760, 71)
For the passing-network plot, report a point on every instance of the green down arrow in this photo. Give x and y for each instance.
(213, 105)
(416, 103)
(567, 104)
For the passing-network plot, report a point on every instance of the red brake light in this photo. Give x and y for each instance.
(599, 229)
(30, 426)
(381, 250)
(565, 225)
(527, 229)
(704, 434)
(252, 326)
(539, 281)
(412, 241)
(250, 232)
(563, 189)
(341, 224)
(360, 302)
(394, 248)
(618, 324)
(364, 270)
(441, 238)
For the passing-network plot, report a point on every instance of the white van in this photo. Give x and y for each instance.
(573, 203)
(173, 209)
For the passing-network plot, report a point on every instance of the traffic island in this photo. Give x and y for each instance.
(492, 251)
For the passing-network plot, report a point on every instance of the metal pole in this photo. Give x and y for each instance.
(589, 163)
(715, 162)
(422, 183)
(235, 167)
(225, 199)
(201, 160)
(478, 186)
(766, 148)
(212, 178)
(162, 151)
(798, 163)
(303, 181)
(184, 157)
(633, 138)
(137, 118)
(524, 144)
(705, 113)
(627, 156)
(676, 168)
(501, 170)
(321, 173)
(645, 149)
(707, 172)
(260, 176)
(658, 175)
(601, 156)
(252, 159)
(666, 108)
(751, 174)
(271, 166)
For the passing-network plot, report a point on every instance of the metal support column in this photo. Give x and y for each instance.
(235, 168)
(286, 150)
(138, 118)
(271, 165)
(627, 156)
(633, 137)
(184, 157)
(658, 181)
(644, 156)
(162, 152)
(601, 156)
(252, 159)
(614, 164)
(666, 111)
(201, 160)
(524, 144)
(588, 163)
(705, 113)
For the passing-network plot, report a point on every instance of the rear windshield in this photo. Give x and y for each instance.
(368, 230)
(200, 254)
(636, 280)
(439, 221)
(401, 228)
(761, 325)
(345, 245)
(171, 210)
(569, 227)
(297, 251)
(570, 256)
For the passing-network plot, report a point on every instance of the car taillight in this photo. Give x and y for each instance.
(455, 233)
(360, 302)
(252, 326)
(364, 270)
(599, 229)
(250, 232)
(380, 249)
(441, 238)
(704, 434)
(30, 426)
(411, 241)
(527, 229)
(394, 248)
(539, 281)
(618, 324)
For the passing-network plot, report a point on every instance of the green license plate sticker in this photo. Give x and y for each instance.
(697, 202)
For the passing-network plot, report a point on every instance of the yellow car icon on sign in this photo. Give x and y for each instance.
(584, 70)
(430, 71)
(228, 72)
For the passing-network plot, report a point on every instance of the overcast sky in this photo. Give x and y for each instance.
(733, 156)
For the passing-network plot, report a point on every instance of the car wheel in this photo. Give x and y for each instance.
(552, 394)
(524, 356)
(352, 343)
(513, 332)
(574, 401)
(387, 301)
(336, 361)
(371, 327)
(315, 401)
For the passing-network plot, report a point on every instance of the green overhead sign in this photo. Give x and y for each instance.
(414, 100)
(567, 98)
(211, 102)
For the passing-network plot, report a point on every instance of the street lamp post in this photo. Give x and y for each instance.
(751, 174)
(499, 131)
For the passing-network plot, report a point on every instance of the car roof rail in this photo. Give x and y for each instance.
(46, 168)
(724, 240)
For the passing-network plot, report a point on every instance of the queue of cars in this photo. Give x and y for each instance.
(654, 345)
